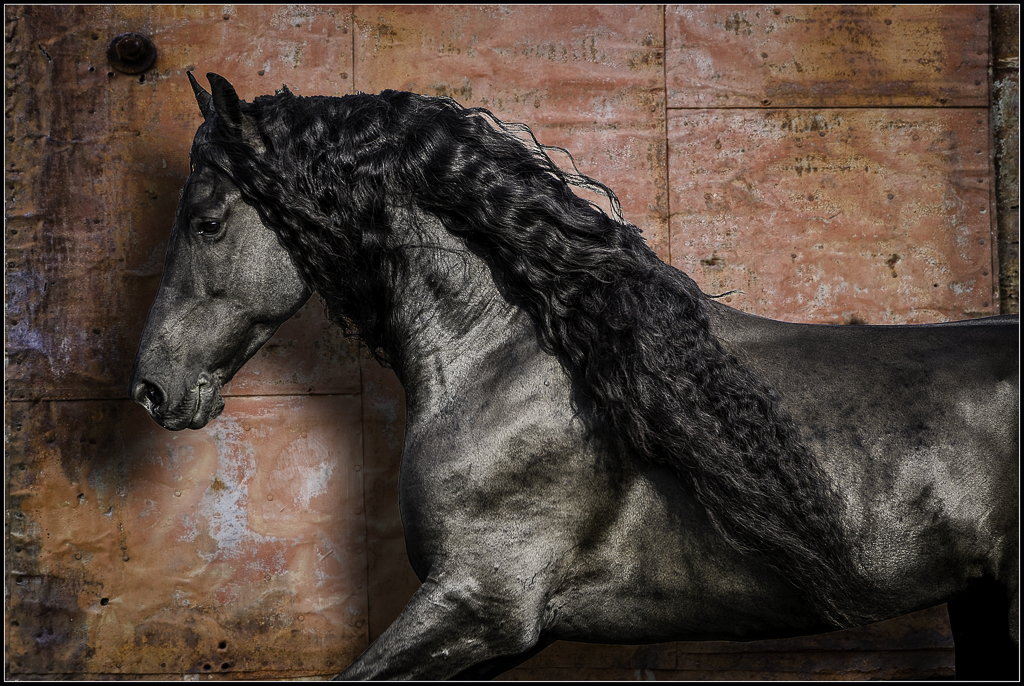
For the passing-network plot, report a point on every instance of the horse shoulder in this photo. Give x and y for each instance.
(499, 443)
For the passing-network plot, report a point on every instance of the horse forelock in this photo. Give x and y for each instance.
(632, 331)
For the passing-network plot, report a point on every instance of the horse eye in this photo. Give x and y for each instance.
(207, 228)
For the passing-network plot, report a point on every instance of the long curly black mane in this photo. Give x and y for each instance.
(632, 331)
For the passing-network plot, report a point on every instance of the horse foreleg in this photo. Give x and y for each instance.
(452, 630)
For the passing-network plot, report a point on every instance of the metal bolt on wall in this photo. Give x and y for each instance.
(131, 53)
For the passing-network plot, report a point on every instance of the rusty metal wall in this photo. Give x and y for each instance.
(834, 164)
(1006, 135)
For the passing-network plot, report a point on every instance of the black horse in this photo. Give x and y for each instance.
(595, 450)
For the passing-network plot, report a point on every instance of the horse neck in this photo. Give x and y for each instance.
(449, 324)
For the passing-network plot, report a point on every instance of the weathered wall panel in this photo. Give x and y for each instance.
(140, 551)
(96, 160)
(837, 56)
(876, 216)
(391, 581)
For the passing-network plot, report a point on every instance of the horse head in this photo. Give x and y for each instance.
(227, 285)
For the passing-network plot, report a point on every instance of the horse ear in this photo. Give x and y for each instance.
(225, 101)
(204, 99)
(229, 109)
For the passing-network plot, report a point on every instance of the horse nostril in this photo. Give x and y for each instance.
(148, 395)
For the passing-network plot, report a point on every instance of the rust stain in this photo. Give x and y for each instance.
(647, 59)
(738, 24)
(712, 261)
(381, 33)
(463, 92)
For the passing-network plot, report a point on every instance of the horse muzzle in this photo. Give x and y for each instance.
(195, 408)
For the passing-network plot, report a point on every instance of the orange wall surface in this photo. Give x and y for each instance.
(831, 165)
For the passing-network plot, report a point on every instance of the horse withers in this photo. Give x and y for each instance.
(595, 450)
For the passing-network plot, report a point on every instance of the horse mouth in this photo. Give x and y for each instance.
(208, 402)
(201, 405)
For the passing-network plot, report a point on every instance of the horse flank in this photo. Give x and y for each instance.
(631, 331)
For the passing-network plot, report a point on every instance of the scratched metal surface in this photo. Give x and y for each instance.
(94, 166)
(838, 56)
(837, 216)
(1006, 135)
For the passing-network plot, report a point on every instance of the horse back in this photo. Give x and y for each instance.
(888, 378)
(918, 428)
